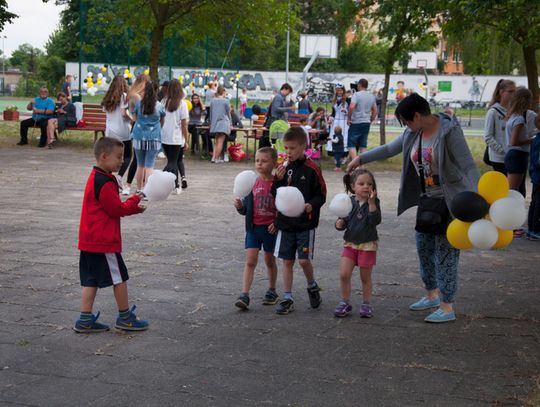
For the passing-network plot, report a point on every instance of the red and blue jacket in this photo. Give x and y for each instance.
(99, 230)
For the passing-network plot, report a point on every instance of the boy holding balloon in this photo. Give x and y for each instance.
(296, 234)
(100, 242)
(259, 209)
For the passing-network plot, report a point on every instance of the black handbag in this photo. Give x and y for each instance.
(432, 215)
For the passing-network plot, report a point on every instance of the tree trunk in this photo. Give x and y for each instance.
(384, 101)
(157, 37)
(529, 54)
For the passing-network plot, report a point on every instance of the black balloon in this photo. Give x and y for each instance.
(469, 206)
(256, 109)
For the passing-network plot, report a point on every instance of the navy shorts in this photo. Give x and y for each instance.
(260, 236)
(357, 137)
(292, 245)
(516, 161)
(102, 269)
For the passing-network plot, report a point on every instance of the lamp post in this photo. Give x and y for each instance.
(3, 65)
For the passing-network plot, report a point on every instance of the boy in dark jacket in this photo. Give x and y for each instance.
(260, 210)
(100, 241)
(296, 236)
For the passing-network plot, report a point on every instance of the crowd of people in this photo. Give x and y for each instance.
(437, 165)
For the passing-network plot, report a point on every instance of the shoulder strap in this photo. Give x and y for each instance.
(420, 165)
(498, 111)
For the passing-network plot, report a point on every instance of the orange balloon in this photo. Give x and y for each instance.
(505, 238)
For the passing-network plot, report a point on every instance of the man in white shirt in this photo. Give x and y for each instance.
(362, 112)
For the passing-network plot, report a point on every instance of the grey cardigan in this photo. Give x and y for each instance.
(220, 116)
(457, 170)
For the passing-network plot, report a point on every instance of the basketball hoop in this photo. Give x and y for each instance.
(421, 64)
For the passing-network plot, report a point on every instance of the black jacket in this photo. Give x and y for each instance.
(305, 175)
(361, 224)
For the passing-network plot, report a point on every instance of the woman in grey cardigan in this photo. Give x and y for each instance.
(220, 121)
(449, 169)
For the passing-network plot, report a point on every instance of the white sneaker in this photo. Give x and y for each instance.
(178, 191)
(126, 191)
(161, 154)
(219, 161)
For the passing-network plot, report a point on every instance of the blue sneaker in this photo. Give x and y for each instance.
(425, 303)
(533, 236)
(441, 316)
(131, 323)
(90, 326)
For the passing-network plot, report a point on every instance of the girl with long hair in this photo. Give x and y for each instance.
(220, 122)
(195, 119)
(118, 122)
(149, 118)
(174, 132)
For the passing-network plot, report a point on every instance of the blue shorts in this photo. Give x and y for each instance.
(516, 161)
(146, 158)
(292, 245)
(260, 236)
(102, 269)
(357, 137)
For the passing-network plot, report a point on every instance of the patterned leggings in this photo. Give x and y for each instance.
(438, 264)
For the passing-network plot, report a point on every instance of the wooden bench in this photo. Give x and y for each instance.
(294, 119)
(94, 117)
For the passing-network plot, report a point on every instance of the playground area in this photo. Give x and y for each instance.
(185, 257)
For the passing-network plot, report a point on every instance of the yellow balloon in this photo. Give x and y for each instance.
(103, 69)
(505, 238)
(457, 235)
(130, 75)
(189, 105)
(147, 71)
(126, 71)
(493, 185)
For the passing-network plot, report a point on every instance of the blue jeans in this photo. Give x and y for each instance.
(357, 137)
(146, 158)
(438, 264)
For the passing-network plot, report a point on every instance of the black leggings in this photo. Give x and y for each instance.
(500, 167)
(192, 128)
(128, 153)
(534, 210)
(175, 160)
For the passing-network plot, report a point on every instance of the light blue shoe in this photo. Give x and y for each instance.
(425, 303)
(441, 316)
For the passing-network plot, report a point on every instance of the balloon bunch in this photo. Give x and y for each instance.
(127, 74)
(88, 84)
(486, 220)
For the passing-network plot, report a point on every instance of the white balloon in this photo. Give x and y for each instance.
(290, 201)
(254, 117)
(517, 196)
(85, 85)
(243, 183)
(159, 185)
(507, 213)
(341, 205)
(92, 91)
(89, 74)
(100, 75)
(483, 234)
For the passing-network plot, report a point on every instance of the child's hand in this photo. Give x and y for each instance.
(238, 203)
(340, 224)
(280, 172)
(372, 196)
(272, 229)
(142, 208)
(308, 208)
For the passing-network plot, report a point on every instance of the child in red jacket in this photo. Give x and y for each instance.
(100, 242)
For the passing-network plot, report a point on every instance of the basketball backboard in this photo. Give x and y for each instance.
(327, 45)
(422, 60)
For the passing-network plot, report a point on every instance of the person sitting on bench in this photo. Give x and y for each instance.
(65, 116)
(42, 109)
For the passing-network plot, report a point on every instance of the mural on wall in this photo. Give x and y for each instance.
(440, 89)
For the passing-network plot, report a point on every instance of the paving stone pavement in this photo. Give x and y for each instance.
(185, 258)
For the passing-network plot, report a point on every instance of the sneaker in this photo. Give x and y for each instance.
(533, 236)
(22, 143)
(285, 307)
(242, 302)
(366, 311)
(90, 326)
(161, 155)
(126, 191)
(343, 309)
(177, 191)
(131, 323)
(337, 169)
(441, 316)
(184, 183)
(220, 161)
(425, 303)
(270, 298)
(314, 296)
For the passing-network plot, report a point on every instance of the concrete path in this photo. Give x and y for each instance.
(185, 258)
